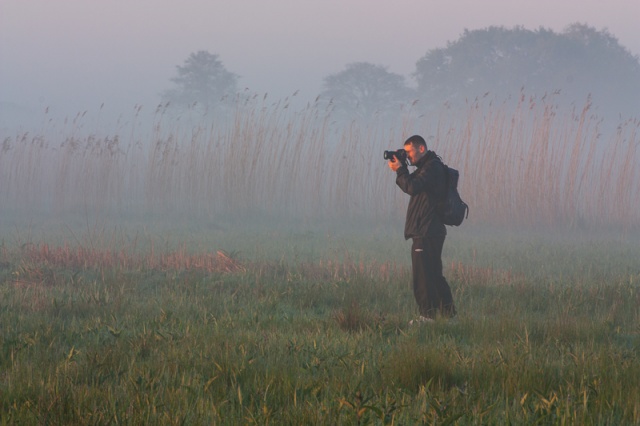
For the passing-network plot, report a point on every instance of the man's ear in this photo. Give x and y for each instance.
(422, 149)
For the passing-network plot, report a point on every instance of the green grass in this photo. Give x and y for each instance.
(313, 330)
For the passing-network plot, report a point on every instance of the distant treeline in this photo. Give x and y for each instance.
(577, 64)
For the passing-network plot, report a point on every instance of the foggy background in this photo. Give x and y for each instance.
(103, 111)
(73, 55)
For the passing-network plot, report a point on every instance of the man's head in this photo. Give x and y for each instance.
(416, 148)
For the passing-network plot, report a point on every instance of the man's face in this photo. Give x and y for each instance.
(414, 154)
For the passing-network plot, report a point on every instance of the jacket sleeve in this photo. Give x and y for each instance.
(422, 180)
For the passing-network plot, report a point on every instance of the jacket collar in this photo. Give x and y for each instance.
(430, 155)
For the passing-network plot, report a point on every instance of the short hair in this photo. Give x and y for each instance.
(416, 141)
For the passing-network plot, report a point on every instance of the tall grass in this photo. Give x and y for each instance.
(521, 164)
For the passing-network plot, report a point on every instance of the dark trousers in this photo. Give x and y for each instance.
(430, 288)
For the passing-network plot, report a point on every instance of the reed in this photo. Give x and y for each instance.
(521, 165)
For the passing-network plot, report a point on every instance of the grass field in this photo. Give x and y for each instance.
(252, 271)
(279, 327)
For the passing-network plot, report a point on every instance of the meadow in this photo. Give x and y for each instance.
(253, 271)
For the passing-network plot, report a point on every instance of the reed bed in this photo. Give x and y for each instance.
(521, 165)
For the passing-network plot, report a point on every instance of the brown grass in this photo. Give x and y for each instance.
(528, 164)
(82, 258)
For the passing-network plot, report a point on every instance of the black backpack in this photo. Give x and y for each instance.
(452, 209)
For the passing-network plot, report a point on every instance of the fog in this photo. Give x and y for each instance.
(84, 131)
(76, 56)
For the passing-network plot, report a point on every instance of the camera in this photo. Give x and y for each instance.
(400, 155)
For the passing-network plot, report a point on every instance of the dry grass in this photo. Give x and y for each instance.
(531, 165)
(82, 258)
(527, 164)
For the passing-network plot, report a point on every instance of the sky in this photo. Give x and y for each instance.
(76, 55)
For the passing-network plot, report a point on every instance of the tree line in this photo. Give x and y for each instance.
(572, 66)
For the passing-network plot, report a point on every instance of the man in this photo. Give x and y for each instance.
(427, 187)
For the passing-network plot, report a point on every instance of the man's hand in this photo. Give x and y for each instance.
(394, 164)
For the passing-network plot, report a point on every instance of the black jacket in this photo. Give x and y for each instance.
(426, 186)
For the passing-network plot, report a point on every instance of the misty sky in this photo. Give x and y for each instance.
(75, 55)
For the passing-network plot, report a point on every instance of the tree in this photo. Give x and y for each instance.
(496, 60)
(202, 80)
(576, 63)
(605, 67)
(365, 91)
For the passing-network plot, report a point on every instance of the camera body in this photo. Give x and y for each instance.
(400, 155)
